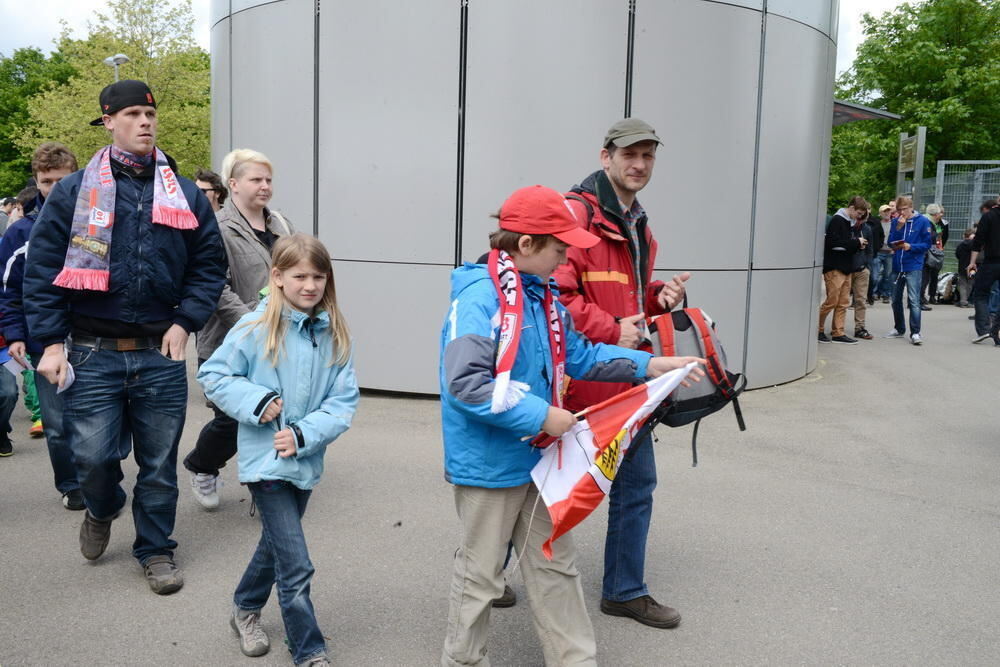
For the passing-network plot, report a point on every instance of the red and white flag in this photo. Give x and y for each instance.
(576, 472)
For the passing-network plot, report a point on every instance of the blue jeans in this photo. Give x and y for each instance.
(141, 393)
(282, 558)
(881, 281)
(8, 399)
(60, 453)
(630, 507)
(911, 280)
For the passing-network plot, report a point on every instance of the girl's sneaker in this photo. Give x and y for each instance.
(253, 639)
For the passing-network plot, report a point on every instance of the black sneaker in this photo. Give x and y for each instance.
(846, 340)
(73, 500)
(863, 333)
(925, 307)
(6, 448)
(823, 338)
(508, 599)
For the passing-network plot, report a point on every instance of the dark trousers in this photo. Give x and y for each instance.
(216, 443)
(989, 273)
(928, 290)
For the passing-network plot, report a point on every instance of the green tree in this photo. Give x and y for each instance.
(24, 74)
(937, 64)
(156, 36)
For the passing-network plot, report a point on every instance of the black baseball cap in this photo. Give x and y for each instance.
(122, 94)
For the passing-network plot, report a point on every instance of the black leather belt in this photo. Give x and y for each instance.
(117, 344)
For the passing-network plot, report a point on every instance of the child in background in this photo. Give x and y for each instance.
(285, 373)
(8, 399)
(504, 348)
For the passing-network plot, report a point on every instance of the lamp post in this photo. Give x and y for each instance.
(115, 61)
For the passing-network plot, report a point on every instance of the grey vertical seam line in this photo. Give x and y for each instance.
(315, 170)
(229, 66)
(629, 55)
(753, 200)
(463, 54)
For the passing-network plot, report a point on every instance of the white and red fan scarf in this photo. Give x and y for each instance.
(507, 280)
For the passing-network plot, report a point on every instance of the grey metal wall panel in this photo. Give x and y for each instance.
(218, 10)
(795, 113)
(749, 4)
(702, 102)
(388, 128)
(241, 5)
(722, 294)
(541, 94)
(221, 104)
(779, 336)
(824, 162)
(817, 279)
(396, 340)
(272, 98)
(815, 13)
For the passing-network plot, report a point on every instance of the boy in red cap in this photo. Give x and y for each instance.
(506, 346)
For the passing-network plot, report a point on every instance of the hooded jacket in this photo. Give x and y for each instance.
(917, 232)
(318, 399)
(482, 448)
(597, 285)
(840, 244)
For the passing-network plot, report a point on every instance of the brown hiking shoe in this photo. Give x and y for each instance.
(644, 609)
(163, 576)
(94, 536)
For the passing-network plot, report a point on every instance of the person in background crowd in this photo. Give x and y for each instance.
(608, 290)
(861, 275)
(26, 206)
(211, 186)
(249, 230)
(8, 400)
(6, 206)
(125, 296)
(909, 237)
(986, 242)
(935, 212)
(50, 163)
(963, 253)
(841, 245)
(880, 286)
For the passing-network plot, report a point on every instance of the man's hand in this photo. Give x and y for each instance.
(558, 421)
(284, 442)
(672, 293)
(17, 351)
(53, 364)
(863, 241)
(272, 411)
(660, 365)
(174, 343)
(630, 335)
(906, 246)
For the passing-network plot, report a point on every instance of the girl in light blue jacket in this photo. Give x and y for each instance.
(285, 374)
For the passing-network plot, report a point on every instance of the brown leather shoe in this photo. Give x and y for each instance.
(644, 609)
(162, 575)
(94, 536)
(508, 599)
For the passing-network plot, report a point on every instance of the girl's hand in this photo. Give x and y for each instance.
(284, 443)
(272, 411)
(660, 365)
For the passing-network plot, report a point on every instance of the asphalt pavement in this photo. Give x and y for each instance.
(855, 522)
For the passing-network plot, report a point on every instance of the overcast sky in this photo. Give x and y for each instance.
(36, 23)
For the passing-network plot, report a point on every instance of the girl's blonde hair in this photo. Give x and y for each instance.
(236, 161)
(287, 252)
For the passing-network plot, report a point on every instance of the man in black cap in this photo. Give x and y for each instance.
(124, 262)
(608, 290)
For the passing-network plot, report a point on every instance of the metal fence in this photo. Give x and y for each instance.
(960, 187)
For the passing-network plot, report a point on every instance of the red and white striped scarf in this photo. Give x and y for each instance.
(507, 280)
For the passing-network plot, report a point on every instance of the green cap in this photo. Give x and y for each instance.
(630, 131)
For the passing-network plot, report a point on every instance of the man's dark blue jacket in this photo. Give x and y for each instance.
(13, 249)
(158, 274)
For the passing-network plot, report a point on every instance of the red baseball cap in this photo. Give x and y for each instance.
(537, 209)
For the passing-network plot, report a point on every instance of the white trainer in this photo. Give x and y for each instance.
(253, 639)
(916, 339)
(206, 489)
(894, 334)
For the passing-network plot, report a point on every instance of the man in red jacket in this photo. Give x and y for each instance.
(608, 289)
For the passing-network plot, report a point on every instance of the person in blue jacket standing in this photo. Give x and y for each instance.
(909, 237)
(285, 374)
(124, 263)
(50, 163)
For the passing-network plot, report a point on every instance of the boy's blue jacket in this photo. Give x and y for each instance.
(318, 399)
(485, 449)
(917, 232)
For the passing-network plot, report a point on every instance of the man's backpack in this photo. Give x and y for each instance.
(691, 332)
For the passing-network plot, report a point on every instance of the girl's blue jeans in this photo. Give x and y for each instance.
(282, 558)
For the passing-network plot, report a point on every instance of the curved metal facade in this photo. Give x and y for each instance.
(396, 128)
